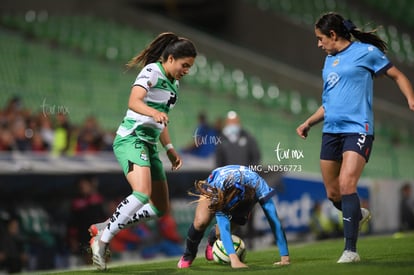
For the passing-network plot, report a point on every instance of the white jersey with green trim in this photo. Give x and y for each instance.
(161, 95)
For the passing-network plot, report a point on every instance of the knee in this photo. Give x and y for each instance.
(201, 224)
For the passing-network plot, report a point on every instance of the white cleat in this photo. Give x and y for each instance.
(349, 257)
(366, 216)
(97, 228)
(99, 252)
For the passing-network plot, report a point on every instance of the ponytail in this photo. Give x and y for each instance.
(161, 47)
(347, 29)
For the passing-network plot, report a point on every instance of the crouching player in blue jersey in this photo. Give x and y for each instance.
(229, 194)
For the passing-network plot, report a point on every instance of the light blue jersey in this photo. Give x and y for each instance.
(242, 175)
(348, 88)
(219, 175)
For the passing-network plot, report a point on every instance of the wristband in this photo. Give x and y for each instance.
(168, 146)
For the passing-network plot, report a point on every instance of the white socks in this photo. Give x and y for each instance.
(145, 213)
(125, 211)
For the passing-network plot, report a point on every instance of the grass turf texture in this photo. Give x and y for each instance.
(379, 255)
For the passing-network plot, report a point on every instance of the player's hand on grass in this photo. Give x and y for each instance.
(284, 260)
(235, 261)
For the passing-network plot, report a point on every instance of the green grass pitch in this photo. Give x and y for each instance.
(391, 254)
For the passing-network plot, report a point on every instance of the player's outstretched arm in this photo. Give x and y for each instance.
(404, 84)
(270, 211)
(225, 235)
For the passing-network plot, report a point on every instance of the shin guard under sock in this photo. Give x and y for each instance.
(351, 212)
(123, 213)
(192, 242)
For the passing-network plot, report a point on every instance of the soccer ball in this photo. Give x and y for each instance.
(220, 254)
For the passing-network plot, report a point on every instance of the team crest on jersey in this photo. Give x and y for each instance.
(149, 83)
(143, 156)
(335, 63)
(332, 79)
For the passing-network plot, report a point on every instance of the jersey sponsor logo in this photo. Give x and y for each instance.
(332, 79)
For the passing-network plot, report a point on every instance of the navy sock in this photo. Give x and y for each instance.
(351, 212)
(337, 204)
(192, 242)
(212, 235)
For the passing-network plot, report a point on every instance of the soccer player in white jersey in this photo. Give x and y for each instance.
(229, 194)
(354, 58)
(165, 61)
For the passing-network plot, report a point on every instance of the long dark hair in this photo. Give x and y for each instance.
(222, 199)
(161, 47)
(346, 29)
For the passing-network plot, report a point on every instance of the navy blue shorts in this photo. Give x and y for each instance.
(334, 145)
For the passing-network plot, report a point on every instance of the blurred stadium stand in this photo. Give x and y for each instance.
(76, 57)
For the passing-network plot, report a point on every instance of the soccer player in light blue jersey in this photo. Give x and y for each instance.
(229, 194)
(354, 58)
(163, 63)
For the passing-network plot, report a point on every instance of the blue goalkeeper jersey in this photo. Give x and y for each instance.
(348, 88)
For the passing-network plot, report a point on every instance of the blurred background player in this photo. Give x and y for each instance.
(204, 140)
(406, 208)
(86, 205)
(237, 145)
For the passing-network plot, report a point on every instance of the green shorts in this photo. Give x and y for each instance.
(130, 150)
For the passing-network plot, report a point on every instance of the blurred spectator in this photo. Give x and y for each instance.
(6, 140)
(40, 238)
(37, 143)
(236, 146)
(87, 205)
(63, 134)
(12, 247)
(90, 136)
(107, 140)
(13, 110)
(406, 208)
(46, 130)
(20, 130)
(204, 140)
(21, 140)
